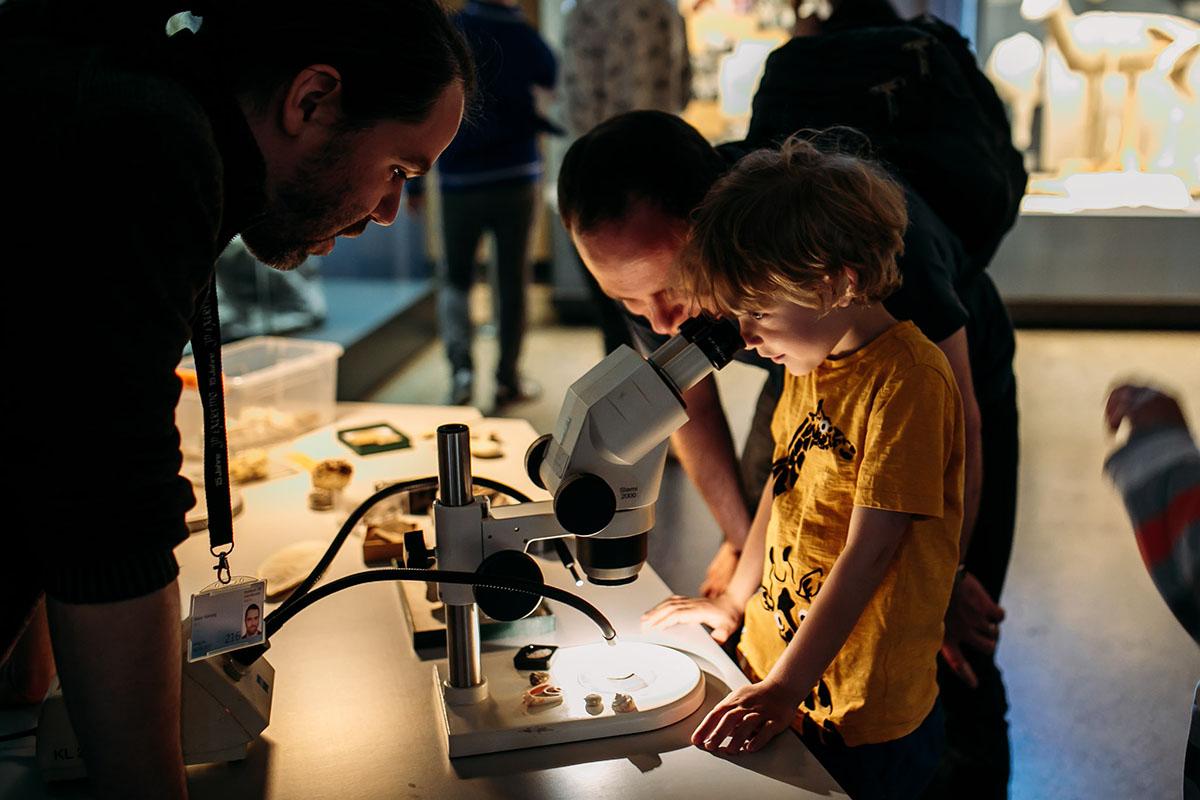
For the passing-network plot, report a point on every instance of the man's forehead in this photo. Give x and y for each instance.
(418, 144)
(634, 277)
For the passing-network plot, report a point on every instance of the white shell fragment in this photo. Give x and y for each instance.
(593, 700)
(623, 703)
(284, 569)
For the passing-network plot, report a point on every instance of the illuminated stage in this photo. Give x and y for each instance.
(666, 685)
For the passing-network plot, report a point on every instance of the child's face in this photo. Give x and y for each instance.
(796, 336)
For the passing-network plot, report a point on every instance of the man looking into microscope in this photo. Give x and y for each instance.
(290, 123)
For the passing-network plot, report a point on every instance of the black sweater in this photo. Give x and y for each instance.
(129, 175)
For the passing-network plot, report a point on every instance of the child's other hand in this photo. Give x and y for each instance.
(720, 571)
(721, 614)
(747, 718)
(1144, 407)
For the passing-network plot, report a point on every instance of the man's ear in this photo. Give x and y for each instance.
(314, 95)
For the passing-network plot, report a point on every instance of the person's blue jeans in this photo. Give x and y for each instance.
(506, 209)
(895, 770)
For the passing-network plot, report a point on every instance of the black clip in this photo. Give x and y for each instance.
(222, 568)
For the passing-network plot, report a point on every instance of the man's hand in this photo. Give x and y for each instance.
(748, 718)
(720, 571)
(972, 619)
(1143, 407)
(722, 614)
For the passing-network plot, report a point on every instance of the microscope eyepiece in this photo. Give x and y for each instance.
(704, 343)
(717, 337)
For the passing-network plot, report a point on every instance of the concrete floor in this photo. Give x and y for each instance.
(1100, 676)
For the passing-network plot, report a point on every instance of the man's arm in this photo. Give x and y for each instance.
(120, 669)
(955, 348)
(974, 616)
(723, 613)
(704, 447)
(1157, 471)
(752, 715)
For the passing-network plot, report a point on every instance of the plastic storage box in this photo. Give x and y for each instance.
(275, 389)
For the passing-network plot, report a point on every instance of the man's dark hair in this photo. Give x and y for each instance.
(647, 156)
(252, 607)
(848, 14)
(395, 57)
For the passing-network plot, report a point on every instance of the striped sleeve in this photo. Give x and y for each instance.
(1158, 475)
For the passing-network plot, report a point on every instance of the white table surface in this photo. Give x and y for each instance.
(354, 710)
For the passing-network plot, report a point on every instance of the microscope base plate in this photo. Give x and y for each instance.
(666, 685)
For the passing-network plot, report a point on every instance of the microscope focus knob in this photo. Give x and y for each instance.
(584, 504)
(507, 606)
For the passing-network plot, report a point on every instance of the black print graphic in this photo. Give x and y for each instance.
(777, 598)
(818, 431)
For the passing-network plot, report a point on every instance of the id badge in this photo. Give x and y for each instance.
(228, 616)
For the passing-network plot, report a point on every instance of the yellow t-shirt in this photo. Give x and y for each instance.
(881, 428)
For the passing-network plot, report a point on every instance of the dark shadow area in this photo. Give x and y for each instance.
(246, 778)
(1131, 315)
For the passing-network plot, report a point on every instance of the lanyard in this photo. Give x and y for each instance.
(206, 351)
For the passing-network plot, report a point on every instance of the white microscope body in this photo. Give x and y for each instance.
(603, 465)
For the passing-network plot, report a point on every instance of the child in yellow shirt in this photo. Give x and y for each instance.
(850, 561)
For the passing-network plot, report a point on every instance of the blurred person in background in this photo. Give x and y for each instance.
(489, 182)
(1157, 471)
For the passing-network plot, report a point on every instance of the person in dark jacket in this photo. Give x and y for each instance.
(131, 160)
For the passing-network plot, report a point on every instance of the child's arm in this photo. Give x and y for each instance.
(752, 715)
(722, 613)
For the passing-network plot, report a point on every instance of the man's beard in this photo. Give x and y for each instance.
(306, 208)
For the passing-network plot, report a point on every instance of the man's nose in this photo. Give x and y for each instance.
(666, 314)
(389, 206)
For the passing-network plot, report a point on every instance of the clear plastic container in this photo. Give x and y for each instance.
(275, 389)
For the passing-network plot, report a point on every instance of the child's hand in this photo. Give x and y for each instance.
(748, 717)
(1144, 407)
(721, 614)
(720, 571)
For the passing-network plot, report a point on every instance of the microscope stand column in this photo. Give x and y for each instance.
(464, 682)
(462, 646)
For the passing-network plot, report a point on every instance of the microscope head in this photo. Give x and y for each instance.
(609, 446)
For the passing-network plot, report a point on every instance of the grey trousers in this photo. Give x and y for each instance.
(507, 211)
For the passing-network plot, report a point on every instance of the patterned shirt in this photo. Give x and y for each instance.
(622, 55)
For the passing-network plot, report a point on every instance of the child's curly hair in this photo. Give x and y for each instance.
(786, 225)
